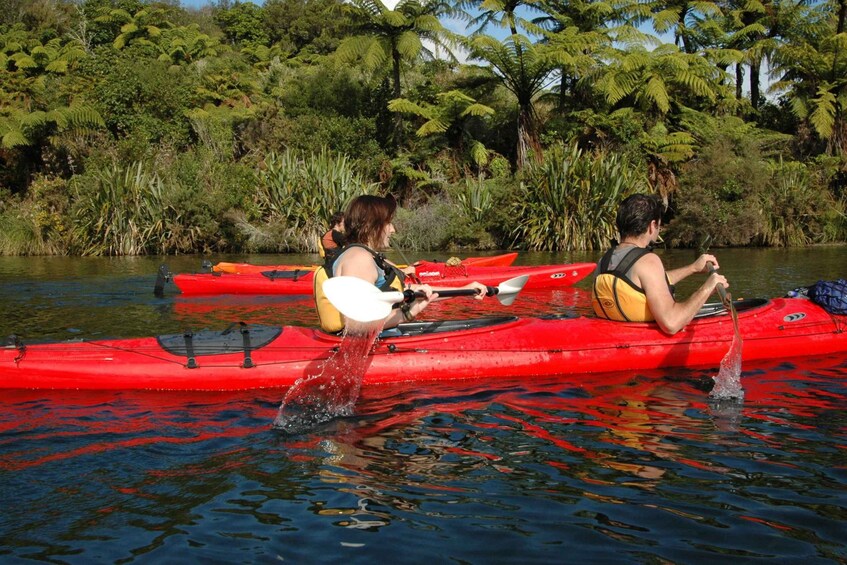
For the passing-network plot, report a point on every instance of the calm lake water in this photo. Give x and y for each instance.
(637, 467)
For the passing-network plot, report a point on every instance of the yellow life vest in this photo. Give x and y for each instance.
(615, 296)
(329, 317)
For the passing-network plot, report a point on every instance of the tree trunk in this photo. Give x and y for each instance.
(563, 90)
(397, 136)
(755, 67)
(529, 146)
(739, 81)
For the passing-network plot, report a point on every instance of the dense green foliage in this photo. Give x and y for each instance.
(139, 127)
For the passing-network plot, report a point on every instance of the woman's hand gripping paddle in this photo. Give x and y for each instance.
(361, 301)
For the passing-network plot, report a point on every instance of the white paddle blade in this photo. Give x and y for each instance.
(508, 290)
(358, 299)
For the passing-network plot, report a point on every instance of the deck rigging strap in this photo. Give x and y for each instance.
(189, 349)
(245, 342)
(285, 274)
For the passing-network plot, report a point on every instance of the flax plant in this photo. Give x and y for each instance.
(301, 191)
(124, 213)
(569, 201)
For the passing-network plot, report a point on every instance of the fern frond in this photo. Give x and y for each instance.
(822, 117)
(14, 138)
(432, 127)
(405, 106)
(656, 92)
(409, 45)
(478, 153)
(478, 110)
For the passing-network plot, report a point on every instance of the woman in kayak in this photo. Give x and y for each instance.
(369, 227)
(631, 284)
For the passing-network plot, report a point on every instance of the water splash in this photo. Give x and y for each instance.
(333, 391)
(728, 380)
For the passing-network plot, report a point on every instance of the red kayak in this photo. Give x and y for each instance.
(503, 260)
(248, 357)
(435, 274)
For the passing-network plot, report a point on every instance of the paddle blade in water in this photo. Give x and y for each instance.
(333, 391)
(728, 379)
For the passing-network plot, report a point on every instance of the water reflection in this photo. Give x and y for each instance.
(622, 462)
(626, 467)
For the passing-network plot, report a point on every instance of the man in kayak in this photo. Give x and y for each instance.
(333, 239)
(368, 223)
(631, 284)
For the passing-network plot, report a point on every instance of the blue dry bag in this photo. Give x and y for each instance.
(831, 295)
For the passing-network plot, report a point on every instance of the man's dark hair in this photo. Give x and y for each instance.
(636, 212)
(336, 219)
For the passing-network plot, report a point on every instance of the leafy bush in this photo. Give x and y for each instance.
(720, 194)
(141, 98)
(37, 224)
(206, 191)
(428, 226)
(794, 208)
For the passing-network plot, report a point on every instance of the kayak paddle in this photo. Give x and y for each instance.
(359, 300)
(726, 299)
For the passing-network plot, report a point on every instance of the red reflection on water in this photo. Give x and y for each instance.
(639, 412)
(219, 311)
(768, 523)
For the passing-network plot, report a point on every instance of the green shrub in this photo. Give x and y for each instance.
(796, 210)
(141, 99)
(208, 193)
(720, 195)
(427, 226)
(36, 224)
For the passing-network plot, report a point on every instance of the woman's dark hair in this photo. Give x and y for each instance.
(636, 212)
(367, 216)
(336, 219)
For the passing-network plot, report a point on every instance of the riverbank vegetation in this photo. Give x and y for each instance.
(133, 127)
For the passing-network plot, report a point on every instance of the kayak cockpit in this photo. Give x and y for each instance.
(718, 308)
(441, 326)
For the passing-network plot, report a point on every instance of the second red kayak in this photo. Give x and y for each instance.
(435, 274)
(502, 260)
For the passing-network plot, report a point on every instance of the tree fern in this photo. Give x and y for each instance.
(453, 113)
